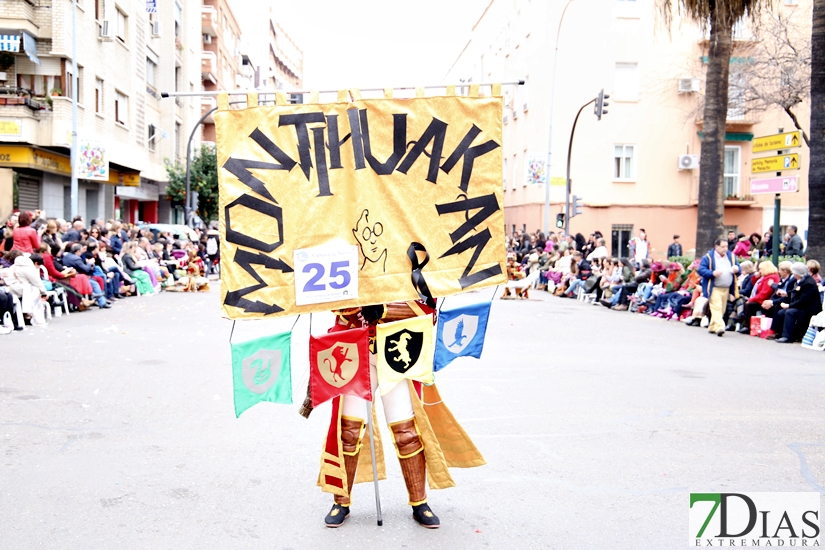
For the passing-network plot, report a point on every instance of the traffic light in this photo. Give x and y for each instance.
(599, 109)
(577, 206)
(560, 220)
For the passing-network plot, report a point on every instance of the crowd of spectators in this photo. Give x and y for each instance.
(722, 290)
(44, 261)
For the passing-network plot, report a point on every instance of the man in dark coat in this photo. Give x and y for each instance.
(792, 318)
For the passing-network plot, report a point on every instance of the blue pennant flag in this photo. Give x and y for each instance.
(460, 333)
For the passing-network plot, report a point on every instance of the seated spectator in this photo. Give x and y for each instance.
(599, 252)
(781, 290)
(23, 280)
(743, 246)
(791, 319)
(25, 238)
(736, 307)
(762, 290)
(86, 267)
(584, 270)
(620, 289)
(73, 235)
(133, 269)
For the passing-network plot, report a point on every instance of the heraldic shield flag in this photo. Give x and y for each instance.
(404, 351)
(339, 364)
(261, 371)
(460, 333)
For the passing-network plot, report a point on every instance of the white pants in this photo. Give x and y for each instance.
(29, 296)
(397, 402)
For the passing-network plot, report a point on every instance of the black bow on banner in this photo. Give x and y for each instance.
(418, 281)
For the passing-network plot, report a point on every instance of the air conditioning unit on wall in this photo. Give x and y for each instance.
(105, 30)
(155, 29)
(207, 38)
(688, 162)
(688, 85)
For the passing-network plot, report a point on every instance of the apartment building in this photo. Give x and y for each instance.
(275, 59)
(221, 56)
(626, 166)
(125, 58)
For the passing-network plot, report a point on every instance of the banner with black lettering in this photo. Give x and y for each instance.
(358, 202)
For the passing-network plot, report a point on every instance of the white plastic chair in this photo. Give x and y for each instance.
(57, 292)
(18, 310)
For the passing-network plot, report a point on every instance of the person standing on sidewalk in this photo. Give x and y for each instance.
(718, 270)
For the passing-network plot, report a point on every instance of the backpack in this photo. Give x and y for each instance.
(212, 246)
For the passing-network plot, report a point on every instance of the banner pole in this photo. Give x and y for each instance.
(261, 94)
(374, 467)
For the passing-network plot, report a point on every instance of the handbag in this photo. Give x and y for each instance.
(756, 326)
(810, 337)
(765, 327)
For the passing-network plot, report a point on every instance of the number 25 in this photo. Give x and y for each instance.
(336, 269)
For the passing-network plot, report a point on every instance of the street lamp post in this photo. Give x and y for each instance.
(550, 138)
(187, 205)
(567, 178)
(75, 206)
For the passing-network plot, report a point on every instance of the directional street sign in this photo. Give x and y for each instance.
(775, 164)
(787, 140)
(769, 186)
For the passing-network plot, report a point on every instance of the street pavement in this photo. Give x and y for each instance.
(117, 430)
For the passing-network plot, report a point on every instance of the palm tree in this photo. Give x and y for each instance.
(720, 16)
(816, 171)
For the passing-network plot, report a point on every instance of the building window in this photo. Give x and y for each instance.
(620, 237)
(151, 68)
(178, 19)
(150, 136)
(70, 82)
(98, 96)
(99, 13)
(504, 173)
(177, 140)
(626, 82)
(732, 170)
(121, 26)
(515, 170)
(121, 108)
(624, 162)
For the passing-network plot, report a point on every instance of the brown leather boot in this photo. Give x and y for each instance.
(410, 451)
(350, 442)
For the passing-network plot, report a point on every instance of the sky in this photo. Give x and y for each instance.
(377, 43)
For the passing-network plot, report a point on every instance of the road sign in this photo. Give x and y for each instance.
(769, 186)
(775, 164)
(787, 140)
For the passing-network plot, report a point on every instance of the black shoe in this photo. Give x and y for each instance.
(744, 330)
(730, 327)
(694, 322)
(720, 333)
(105, 306)
(337, 515)
(783, 340)
(423, 515)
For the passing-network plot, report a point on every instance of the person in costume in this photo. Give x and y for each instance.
(417, 417)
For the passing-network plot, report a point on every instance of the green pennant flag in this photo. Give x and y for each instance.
(261, 371)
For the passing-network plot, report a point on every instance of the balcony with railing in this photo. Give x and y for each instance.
(209, 65)
(209, 20)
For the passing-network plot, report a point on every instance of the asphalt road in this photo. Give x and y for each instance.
(117, 431)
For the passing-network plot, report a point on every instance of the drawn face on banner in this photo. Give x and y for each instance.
(403, 349)
(260, 370)
(369, 239)
(339, 363)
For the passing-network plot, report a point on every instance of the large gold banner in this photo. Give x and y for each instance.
(328, 206)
